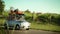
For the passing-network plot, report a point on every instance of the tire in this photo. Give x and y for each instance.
(5, 26)
(17, 27)
(27, 29)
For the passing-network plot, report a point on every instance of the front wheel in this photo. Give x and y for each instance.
(17, 27)
(27, 29)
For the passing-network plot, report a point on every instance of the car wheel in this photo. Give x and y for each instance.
(17, 27)
(5, 26)
(27, 29)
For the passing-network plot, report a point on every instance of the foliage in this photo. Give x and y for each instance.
(27, 11)
(49, 18)
(44, 18)
(6, 13)
(2, 5)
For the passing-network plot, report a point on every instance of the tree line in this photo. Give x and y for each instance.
(51, 18)
(2, 5)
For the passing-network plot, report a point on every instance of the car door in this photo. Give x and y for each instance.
(11, 23)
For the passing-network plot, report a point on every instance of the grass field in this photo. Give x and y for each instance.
(48, 27)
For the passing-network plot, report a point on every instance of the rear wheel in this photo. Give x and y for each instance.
(5, 26)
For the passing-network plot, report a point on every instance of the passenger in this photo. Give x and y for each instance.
(11, 12)
(18, 14)
(11, 15)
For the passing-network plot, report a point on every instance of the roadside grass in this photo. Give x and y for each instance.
(2, 21)
(1, 24)
(47, 27)
(2, 31)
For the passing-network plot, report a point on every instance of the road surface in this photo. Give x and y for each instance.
(30, 32)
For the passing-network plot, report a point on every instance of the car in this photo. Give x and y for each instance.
(17, 24)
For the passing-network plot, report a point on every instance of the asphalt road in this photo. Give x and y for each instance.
(29, 32)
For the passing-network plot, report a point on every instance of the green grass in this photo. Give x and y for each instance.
(2, 21)
(48, 27)
(2, 31)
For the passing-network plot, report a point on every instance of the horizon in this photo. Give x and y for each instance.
(43, 6)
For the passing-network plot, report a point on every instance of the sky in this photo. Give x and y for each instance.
(44, 6)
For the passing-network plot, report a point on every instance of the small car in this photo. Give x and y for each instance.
(15, 24)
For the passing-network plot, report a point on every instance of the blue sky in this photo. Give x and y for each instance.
(45, 6)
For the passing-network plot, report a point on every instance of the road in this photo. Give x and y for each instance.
(30, 32)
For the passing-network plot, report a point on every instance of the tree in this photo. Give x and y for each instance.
(27, 11)
(2, 5)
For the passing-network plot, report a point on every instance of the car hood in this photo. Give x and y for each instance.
(25, 23)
